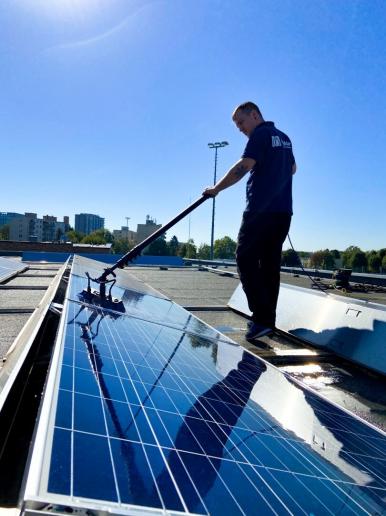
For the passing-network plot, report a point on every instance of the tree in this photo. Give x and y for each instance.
(329, 260)
(108, 236)
(188, 249)
(74, 236)
(122, 246)
(103, 234)
(157, 248)
(98, 237)
(348, 255)
(203, 252)
(384, 263)
(93, 238)
(224, 248)
(359, 261)
(290, 258)
(374, 262)
(4, 232)
(322, 259)
(173, 245)
(382, 252)
(316, 259)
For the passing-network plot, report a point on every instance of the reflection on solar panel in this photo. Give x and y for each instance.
(9, 268)
(152, 411)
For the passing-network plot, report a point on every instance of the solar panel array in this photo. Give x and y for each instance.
(9, 268)
(151, 410)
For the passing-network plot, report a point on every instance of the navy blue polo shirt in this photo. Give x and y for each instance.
(269, 187)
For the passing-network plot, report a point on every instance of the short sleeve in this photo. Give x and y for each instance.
(255, 146)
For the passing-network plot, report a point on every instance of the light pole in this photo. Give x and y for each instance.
(127, 227)
(215, 146)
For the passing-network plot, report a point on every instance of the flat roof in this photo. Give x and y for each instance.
(206, 294)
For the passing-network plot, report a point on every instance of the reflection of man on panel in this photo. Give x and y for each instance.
(205, 430)
(266, 220)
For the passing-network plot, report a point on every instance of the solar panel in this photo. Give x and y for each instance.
(9, 268)
(145, 414)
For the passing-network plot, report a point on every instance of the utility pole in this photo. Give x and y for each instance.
(215, 146)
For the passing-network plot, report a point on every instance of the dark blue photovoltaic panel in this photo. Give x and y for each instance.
(9, 268)
(139, 300)
(149, 404)
(157, 416)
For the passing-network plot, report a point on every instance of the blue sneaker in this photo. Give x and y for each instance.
(255, 331)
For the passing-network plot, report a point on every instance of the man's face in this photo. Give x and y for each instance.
(246, 122)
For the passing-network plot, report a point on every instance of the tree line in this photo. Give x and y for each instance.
(224, 248)
(352, 258)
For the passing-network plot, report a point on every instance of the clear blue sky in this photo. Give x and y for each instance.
(107, 106)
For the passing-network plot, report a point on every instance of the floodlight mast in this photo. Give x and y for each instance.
(215, 146)
(136, 251)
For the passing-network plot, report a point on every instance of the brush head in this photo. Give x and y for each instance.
(93, 297)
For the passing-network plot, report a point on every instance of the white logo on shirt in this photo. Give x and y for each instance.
(277, 142)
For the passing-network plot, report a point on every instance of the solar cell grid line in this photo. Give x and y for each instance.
(220, 476)
(176, 486)
(162, 356)
(104, 395)
(185, 382)
(145, 304)
(169, 359)
(362, 432)
(145, 399)
(325, 406)
(87, 338)
(293, 443)
(371, 469)
(321, 464)
(356, 425)
(358, 439)
(9, 268)
(142, 368)
(370, 432)
(209, 335)
(272, 479)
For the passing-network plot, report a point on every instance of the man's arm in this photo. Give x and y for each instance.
(294, 168)
(234, 174)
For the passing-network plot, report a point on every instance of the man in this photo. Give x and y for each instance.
(266, 220)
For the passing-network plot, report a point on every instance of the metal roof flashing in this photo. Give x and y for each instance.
(353, 328)
(17, 353)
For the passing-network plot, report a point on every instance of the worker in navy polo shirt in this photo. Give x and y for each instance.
(266, 220)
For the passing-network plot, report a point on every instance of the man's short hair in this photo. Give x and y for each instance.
(247, 107)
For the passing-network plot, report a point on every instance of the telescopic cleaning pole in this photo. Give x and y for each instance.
(131, 255)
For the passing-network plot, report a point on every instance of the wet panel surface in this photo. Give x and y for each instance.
(184, 420)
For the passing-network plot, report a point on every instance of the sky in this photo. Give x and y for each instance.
(107, 107)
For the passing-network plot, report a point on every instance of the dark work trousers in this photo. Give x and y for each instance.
(258, 256)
